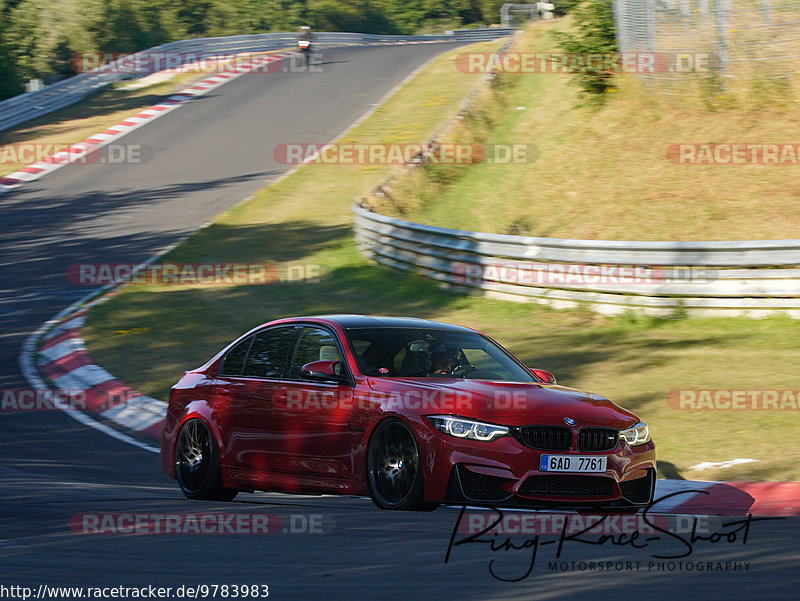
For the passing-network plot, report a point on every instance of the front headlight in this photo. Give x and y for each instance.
(467, 428)
(637, 434)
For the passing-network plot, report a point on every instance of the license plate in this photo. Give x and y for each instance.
(572, 463)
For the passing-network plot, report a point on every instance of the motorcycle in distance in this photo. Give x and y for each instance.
(305, 51)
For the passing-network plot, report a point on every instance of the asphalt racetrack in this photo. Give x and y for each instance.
(207, 156)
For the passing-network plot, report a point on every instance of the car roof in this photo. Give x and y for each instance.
(375, 321)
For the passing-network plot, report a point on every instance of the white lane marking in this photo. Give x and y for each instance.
(62, 349)
(73, 324)
(24, 176)
(720, 465)
(138, 413)
(83, 378)
(669, 487)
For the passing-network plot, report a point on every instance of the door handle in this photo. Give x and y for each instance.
(279, 398)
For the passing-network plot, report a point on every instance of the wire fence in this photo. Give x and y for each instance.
(722, 44)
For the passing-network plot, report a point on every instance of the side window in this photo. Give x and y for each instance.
(233, 361)
(314, 344)
(269, 353)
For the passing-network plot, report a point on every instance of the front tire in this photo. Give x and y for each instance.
(394, 469)
(197, 464)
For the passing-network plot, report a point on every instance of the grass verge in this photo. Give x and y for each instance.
(604, 173)
(148, 335)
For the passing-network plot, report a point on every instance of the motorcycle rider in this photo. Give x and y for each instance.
(305, 34)
(304, 39)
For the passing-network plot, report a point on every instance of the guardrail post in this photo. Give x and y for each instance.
(545, 9)
(33, 85)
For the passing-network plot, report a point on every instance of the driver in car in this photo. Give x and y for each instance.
(443, 361)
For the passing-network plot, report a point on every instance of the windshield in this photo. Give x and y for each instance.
(430, 353)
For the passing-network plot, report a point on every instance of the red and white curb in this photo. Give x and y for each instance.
(727, 498)
(78, 151)
(64, 360)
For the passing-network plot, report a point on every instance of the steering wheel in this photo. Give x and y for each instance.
(462, 370)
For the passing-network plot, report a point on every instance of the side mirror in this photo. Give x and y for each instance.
(323, 371)
(545, 376)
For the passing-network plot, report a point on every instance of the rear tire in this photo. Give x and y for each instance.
(197, 464)
(394, 470)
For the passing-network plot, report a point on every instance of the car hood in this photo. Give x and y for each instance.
(507, 403)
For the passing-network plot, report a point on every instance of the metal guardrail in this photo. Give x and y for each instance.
(28, 106)
(754, 278)
(673, 275)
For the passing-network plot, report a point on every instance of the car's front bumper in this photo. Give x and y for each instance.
(507, 472)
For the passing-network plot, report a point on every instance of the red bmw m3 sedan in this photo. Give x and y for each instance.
(411, 412)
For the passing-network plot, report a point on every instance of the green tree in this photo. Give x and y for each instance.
(350, 15)
(211, 18)
(26, 39)
(490, 10)
(412, 15)
(73, 31)
(277, 15)
(131, 25)
(562, 7)
(9, 81)
(593, 33)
